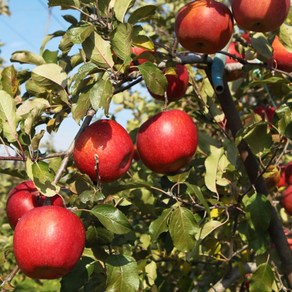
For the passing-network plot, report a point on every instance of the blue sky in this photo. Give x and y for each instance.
(25, 29)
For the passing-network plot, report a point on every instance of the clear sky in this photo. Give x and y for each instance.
(25, 29)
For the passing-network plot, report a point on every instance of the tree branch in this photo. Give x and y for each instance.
(65, 161)
(228, 280)
(251, 164)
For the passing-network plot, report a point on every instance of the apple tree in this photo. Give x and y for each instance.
(188, 194)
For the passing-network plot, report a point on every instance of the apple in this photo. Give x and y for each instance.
(178, 81)
(235, 74)
(282, 181)
(261, 16)
(287, 199)
(266, 112)
(204, 26)
(25, 197)
(167, 141)
(104, 151)
(137, 51)
(288, 173)
(290, 242)
(48, 242)
(282, 57)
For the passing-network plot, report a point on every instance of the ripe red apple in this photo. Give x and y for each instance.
(262, 16)
(282, 181)
(204, 26)
(104, 151)
(25, 197)
(235, 74)
(167, 141)
(48, 242)
(178, 80)
(288, 173)
(282, 57)
(287, 199)
(137, 51)
(266, 112)
(290, 242)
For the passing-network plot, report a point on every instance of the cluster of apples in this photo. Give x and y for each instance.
(48, 239)
(165, 143)
(206, 26)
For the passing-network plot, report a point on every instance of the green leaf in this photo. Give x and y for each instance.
(14, 172)
(30, 111)
(80, 108)
(183, 228)
(155, 80)
(262, 279)
(121, 7)
(211, 165)
(48, 74)
(160, 224)
(258, 137)
(26, 57)
(122, 274)
(101, 94)
(43, 177)
(286, 36)
(112, 218)
(8, 118)
(258, 211)
(208, 228)
(195, 190)
(48, 37)
(50, 56)
(262, 46)
(142, 13)
(98, 51)
(79, 34)
(285, 123)
(77, 277)
(121, 41)
(64, 3)
(10, 83)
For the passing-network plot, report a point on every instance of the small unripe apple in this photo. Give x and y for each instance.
(103, 151)
(167, 141)
(178, 80)
(48, 242)
(287, 199)
(204, 26)
(282, 57)
(266, 112)
(261, 16)
(25, 197)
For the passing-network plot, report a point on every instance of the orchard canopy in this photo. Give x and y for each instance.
(220, 221)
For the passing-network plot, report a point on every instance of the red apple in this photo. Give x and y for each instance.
(282, 181)
(25, 197)
(235, 74)
(104, 151)
(290, 242)
(262, 16)
(204, 26)
(266, 112)
(288, 173)
(167, 141)
(178, 81)
(282, 57)
(137, 51)
(48, 242)
(287, 199)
